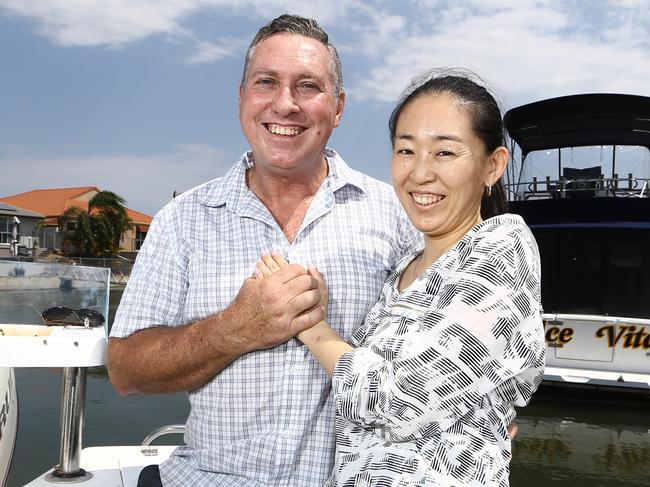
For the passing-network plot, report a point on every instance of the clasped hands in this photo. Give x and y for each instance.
(280, 301)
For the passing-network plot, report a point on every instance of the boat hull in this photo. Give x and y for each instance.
(8, 420)
(597, 350)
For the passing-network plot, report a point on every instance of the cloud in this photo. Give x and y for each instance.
(207, 52)
(529, 50)
(116, 23)
(110, 22)
(147, 182)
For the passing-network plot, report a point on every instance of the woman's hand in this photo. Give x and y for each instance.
(270, 264)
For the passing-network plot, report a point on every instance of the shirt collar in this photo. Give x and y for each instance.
(232, 189)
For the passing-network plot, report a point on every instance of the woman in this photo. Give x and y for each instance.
(456, 339)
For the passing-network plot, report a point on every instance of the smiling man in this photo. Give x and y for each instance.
(191, 318)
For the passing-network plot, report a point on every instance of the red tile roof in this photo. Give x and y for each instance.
(139, 218)
(53, 202)
(50, 202)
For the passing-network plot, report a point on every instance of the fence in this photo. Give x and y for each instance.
(120, 267)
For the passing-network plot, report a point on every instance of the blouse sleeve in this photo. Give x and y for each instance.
(480, 331)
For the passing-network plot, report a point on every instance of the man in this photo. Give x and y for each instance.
(192, 320)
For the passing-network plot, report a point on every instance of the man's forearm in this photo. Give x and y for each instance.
(172, 359)
(265, 313)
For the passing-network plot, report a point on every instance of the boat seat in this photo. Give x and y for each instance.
(582, 182)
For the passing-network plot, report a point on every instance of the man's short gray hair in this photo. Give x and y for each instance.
(302, 26)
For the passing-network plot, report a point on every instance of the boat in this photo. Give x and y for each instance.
(52, 315)
(8, 420)
(579, 178)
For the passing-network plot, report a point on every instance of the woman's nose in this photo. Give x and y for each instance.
(424, 169)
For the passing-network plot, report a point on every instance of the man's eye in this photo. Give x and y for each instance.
(308, 87)
(264, 81)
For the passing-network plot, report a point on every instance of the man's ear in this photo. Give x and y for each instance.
(340, 104)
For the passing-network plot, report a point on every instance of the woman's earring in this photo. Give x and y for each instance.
(489, 190)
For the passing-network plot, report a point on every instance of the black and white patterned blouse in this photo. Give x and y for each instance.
(426, 396)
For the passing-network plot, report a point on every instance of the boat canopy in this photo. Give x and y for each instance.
(580, 120)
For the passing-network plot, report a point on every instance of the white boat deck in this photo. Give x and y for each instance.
(113, 466)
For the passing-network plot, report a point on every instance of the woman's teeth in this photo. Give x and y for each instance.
(426, 199)
(283, 130)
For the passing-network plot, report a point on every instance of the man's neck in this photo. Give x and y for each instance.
(287, 196)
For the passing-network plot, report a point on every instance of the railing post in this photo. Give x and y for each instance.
(73, 399)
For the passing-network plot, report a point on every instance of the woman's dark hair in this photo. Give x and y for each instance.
(484, 112)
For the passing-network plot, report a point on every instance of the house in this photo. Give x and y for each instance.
(25, 224)
(52, 203)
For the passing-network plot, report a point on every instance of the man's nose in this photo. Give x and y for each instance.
(285, 101)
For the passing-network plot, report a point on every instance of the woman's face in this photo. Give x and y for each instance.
(439, 166)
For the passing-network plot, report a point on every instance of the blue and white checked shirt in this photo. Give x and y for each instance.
(268, 419)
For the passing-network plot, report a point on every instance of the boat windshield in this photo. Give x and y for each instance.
(595, 170)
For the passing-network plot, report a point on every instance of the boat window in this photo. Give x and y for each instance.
(595, 271)
(633, 160)
(621, 167)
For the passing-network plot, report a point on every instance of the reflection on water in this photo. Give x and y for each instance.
(566, 437)
(581, 437)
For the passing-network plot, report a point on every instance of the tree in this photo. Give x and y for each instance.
(97, 232)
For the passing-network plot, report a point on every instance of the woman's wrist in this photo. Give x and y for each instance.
(325, 344)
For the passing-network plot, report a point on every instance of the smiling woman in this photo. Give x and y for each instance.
(428, 385)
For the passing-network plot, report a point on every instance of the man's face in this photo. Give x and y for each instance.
(287, 108)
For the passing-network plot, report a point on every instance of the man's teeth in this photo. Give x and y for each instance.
(282, 130)
(426, 199)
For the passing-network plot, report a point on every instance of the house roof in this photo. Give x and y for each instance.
(10, 210)
(50, 202)
(53, 202)
(139, 218)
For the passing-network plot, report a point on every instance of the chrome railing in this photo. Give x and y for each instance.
(170, 429)
(547, 188)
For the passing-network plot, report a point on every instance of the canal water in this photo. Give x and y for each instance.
(567, 437)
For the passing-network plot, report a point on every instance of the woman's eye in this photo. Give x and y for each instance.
(445, 153)
(405, 151)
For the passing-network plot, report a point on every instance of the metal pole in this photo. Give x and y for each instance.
(73, 398)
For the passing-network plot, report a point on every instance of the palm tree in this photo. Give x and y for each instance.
(97, 232)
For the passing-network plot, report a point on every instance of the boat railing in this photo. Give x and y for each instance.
(614, 187)
(170, 429)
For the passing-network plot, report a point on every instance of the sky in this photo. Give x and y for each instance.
(139, 97)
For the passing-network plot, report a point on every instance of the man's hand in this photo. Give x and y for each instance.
(278, 304)
(270, 264)
(265, 313)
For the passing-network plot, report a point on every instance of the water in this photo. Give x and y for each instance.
(566, 437)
